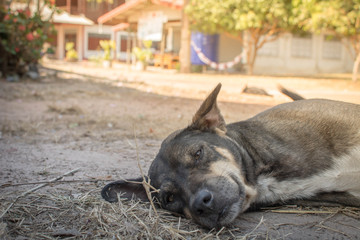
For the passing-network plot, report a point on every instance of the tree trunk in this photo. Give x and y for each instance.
(356, 67)
(185, 42)
(251, 56)
(251, 45)
(250, 68)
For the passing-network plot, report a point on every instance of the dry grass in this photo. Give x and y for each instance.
(72, 110)
(49, 215)
(87, 216)
(19, 128)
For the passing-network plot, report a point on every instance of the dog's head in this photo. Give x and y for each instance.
(199, 171)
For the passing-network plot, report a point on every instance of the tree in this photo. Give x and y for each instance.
(185, 42)
(338, 17)
(252, 22)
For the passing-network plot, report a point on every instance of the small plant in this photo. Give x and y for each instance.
(107, 46)
(143, 55)
(71, 54)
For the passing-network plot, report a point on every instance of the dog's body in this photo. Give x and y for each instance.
(212, 172)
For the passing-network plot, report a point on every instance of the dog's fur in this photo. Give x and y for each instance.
(212, 172)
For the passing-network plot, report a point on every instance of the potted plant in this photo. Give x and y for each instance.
(107, 46)
(143, 55)
(71, 54)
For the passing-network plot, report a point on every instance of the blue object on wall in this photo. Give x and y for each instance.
(208, 43)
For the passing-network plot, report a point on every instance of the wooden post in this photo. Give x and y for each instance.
(162, 46)
(185, 42)
(133, 59)
(128, 47)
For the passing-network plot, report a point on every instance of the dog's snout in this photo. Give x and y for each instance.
(203, 202)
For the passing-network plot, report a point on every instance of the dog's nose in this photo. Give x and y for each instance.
(203, 202)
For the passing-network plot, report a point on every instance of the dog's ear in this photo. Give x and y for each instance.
(128, 189)
(208, 116)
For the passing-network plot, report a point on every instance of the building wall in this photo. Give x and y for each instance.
(176, 39)
(67, 33)
(309, 54)
(172, 14)
(229, 48)
(94, 9)
(91, 9)
(92, 36)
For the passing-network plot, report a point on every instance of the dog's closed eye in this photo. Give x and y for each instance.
(198, 155)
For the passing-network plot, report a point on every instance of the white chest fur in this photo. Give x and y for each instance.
(343, 176)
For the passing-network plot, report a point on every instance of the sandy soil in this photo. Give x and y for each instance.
(82, 116)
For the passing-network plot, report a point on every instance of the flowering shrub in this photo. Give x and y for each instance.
(22, 36)
(71, 54)
(143, 54)
(107, 45)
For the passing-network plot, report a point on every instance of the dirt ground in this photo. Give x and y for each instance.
(102, 122)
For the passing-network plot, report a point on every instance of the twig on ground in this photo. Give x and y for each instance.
(257, 226)
(328, 217)
(218, 233)
(332, 229)
(295, 211)
(146, 182)
(36, 188)
(56, 182)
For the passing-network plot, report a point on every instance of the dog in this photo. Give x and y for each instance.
(211, 171)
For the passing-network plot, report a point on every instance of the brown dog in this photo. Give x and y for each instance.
(212, 172)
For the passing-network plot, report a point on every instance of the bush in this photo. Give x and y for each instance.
(107, 45)
(143, 54)
(71, 54)
(22, 37)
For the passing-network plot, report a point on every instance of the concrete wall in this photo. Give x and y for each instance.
(303, 55)
(228, 48)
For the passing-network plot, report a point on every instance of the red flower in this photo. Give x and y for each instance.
(15, 20)
(17, 49)
(20, 11)
(7, 17)
(27, 13)
(22, 28)
(30, 36)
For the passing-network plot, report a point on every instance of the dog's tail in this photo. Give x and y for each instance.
(294, 96)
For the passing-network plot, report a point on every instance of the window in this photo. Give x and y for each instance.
(94, 39)
(301, 46)
(123, 43)
(331, 47)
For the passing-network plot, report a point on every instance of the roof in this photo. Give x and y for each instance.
(120, 26)
(65, 17)
(122, 12)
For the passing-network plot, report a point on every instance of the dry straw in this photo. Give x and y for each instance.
(80, 213)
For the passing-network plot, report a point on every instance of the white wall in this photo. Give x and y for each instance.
(95, 29)
(303, 55)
